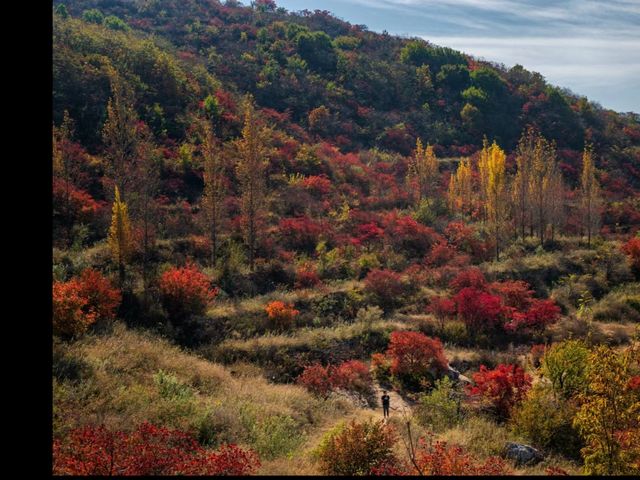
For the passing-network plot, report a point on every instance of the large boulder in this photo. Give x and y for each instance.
(522, 454)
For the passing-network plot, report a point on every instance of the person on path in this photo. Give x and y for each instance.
(385, 404)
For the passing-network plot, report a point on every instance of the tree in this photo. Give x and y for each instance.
(460, 193)
(144, 188)
(120, 134)
(491, 169)
(609, 415)
(250, 169)
(423, 171)
(415, 357)
(120, 235)
(214, 187)
(63, 166)
(542, 172)
(590, 198)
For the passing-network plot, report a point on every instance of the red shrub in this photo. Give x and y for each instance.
(555, 471)
(386, 285)
(300, 232)
(479, 310)
(102, 297)
(471, 277)
(148, 450)
(503, 387)
(71, 315)
(317, 380)
(540, 314)
(441, 308)
(406, 234)
(318, 184)
(514, 293)
(369, 232)
(306, 277)
(413, 353)
(440, 254)
(440, 458)
(353, 376)
(81, 301)
(281, 315)
(185, 291)
(74, 204)
(632, 248)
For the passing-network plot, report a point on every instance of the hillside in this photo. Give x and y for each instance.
(262, 219)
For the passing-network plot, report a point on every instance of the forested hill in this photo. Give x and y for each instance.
(317, 79)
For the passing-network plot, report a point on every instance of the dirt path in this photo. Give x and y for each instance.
(397, 404)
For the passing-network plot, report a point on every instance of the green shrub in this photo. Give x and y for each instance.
(440, 409)
(171, 388)
(356, 448)
(275, 436)
(564, 364)
(547, 422)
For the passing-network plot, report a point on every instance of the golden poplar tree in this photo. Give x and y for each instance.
(212, 199)
(460, 194)
(492, 169)
(590, 199)
(520, 193)
(423, 171)
(250, 169)
(556, 203)
(120, 235)
(543, 169)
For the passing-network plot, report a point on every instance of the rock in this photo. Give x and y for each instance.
(522, 454)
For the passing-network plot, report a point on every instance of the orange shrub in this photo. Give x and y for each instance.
(281, 315)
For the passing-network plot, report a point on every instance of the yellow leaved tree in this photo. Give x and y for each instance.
(120, 235)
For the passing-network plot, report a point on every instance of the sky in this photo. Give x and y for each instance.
(591, 47)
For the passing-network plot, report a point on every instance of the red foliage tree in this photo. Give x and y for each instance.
(503, 387)
(318, 184)
(386, 285)
(414, 354)
(148, 450)
(480, 311)
(185, 291)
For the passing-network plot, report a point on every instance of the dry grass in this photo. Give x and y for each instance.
(217, 404)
